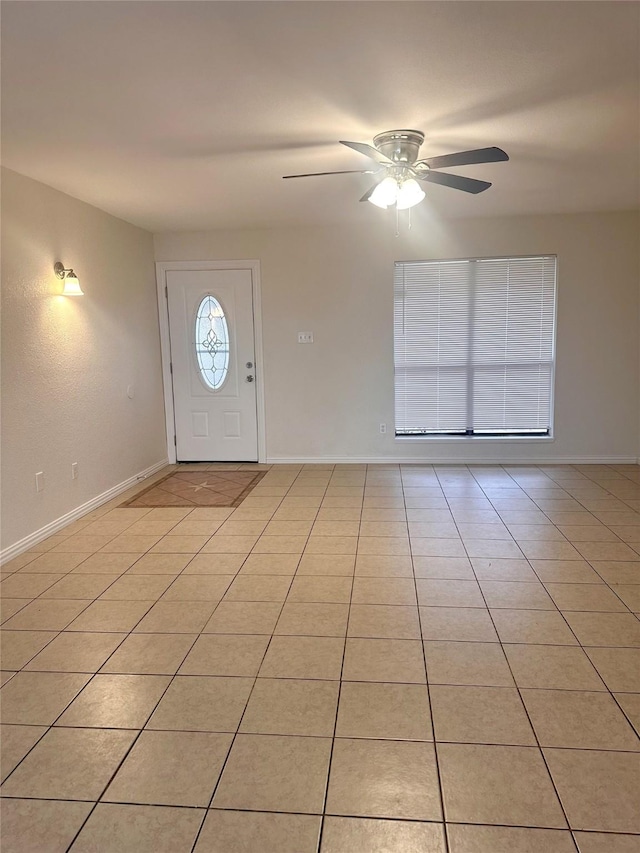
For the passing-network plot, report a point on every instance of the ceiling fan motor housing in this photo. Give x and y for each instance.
(401, 146)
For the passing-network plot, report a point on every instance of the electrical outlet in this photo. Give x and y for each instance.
(383, 429)
(305, 337)
(39, 481)
(74, 470)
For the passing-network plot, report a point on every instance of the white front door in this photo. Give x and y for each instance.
(211, 331)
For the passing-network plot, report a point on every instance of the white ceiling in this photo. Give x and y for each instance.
(185, 115)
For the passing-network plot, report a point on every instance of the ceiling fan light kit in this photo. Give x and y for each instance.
(410, 193)
(385, 193)
(403, 192)
(398, 169)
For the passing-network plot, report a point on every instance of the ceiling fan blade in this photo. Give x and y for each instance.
(456, 182)
(348, 172)
(467, 158)
(368, 151)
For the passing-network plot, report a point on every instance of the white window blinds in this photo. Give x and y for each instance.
(474, 346)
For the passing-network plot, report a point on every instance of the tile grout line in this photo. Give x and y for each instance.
(237, 731)
(398, 820)
(562, 613)
(344, 654)
(526, 711)
(93, 675)
(124, 757)
(609, 586)
(140, 731)
(445, 833)
(339, 737)
(51, 725)
(135, 739)
(607, 688)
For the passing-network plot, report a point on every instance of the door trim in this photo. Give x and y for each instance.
(162, 268)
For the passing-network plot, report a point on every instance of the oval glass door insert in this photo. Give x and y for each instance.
(212, 342)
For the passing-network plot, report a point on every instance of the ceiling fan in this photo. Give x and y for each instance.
(398, 169)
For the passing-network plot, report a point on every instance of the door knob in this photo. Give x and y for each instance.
(249, 378)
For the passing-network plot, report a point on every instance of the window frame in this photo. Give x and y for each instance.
(492, 437)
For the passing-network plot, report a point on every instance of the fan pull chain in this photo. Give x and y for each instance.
(397, 222)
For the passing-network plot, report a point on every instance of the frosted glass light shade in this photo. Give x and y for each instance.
(385, 193)
(409, 194)
(72, 285)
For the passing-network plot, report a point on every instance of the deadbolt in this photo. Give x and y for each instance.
(249, 365)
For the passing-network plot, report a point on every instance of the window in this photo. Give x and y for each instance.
(212, 342)
(474, 346)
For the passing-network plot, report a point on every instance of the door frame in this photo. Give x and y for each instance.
(162, 268)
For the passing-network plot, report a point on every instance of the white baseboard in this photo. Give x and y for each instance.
(450, 460)
(53, 526)
(56, 525)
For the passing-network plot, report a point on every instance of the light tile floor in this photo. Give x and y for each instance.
(357, 659)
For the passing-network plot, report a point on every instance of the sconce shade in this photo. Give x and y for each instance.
(71, 281)
(72, 286)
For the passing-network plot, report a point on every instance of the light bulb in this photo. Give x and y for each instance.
(385, 193)
(409, 194)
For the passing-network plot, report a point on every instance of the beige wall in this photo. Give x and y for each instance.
(66, 363)
(327, 400)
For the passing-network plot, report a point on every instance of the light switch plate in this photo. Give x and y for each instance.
(305, 337)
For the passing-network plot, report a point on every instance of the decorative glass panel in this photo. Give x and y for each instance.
(212, 342)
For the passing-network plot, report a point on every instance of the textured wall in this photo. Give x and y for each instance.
(328, 399)
(66, 363)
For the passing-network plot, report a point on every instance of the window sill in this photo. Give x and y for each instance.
(457, 438)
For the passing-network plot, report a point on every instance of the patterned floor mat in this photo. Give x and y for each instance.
(198, 488)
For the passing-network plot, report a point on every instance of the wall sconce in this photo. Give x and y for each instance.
(71, 282)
